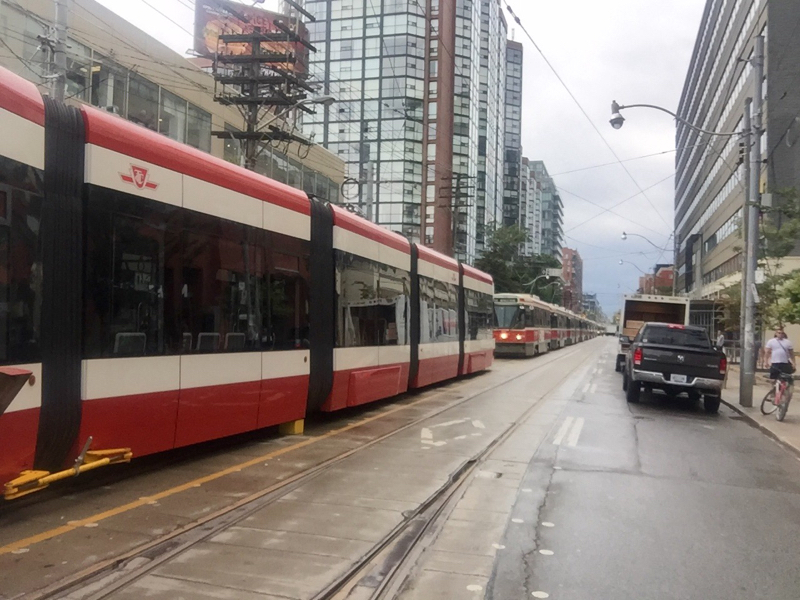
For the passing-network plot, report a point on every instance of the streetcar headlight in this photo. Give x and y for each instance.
(504, 336)
(519, 336)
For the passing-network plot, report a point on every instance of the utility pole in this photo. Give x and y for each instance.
(745, 221)
(60, 50)
(748, 366)
(269, 74)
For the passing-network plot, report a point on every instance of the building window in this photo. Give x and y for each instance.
(109, 86)
(172, 118)
(198, 130)
(79, 63)
(232, 151)
(143, 102)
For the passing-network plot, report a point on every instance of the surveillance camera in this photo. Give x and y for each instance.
(617, 120)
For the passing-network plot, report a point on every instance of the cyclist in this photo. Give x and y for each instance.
(780, 354)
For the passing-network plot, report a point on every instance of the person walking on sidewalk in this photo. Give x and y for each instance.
(780, 354)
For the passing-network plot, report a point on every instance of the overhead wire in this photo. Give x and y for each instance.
(23, 61)
(643, 156)
(609, 209)
(585, 114)
(168, 18)
(139, 50)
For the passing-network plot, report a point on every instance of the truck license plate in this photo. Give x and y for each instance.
(677, 378)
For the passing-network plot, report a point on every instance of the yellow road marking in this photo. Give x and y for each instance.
(73, 525)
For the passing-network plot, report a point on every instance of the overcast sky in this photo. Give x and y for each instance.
(632, 51)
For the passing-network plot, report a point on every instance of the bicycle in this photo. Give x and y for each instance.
(778, 398)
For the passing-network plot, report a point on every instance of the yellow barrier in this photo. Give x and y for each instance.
(33, 481)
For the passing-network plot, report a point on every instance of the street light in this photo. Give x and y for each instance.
(622, 262)
(533, 283)
(656, 246)
(751, 133)
(556, 282)
(617, 120)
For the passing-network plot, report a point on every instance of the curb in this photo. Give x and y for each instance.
(769, 433)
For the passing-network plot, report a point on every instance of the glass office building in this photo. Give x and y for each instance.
(401, 87)
(491, 141)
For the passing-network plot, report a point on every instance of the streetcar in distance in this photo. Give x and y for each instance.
(156, 296)
(525, 325)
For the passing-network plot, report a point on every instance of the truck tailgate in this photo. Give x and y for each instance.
(680, 361)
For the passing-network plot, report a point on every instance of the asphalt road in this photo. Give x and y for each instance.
(655, 500)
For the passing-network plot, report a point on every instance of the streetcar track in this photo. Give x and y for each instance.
(371, 579)
(112, 575)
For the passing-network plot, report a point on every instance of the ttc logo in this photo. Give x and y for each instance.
(138, 177)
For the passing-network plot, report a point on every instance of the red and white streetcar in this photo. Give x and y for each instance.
(154, 296)
(525, 325)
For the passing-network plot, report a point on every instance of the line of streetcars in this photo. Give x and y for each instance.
(154, 296)
(525, 325)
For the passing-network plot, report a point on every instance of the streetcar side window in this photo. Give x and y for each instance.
(283, 292)
(20, 262)
(163, 280)
(479, 315)
(438, 311)
(372, 303)
(222, 278)
(133, 247)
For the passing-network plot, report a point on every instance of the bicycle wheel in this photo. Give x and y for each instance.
(784, 405)
(768, 403)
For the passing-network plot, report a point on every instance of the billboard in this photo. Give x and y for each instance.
(213, 18)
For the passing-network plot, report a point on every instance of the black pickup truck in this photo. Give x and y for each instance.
(674, 359)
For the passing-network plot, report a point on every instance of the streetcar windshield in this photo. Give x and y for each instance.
(506, 316)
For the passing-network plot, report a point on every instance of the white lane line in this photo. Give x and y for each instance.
(585, 388)
(575, 433)
(426, 437)
(478, 424)
(593, 389)
(562, 431)
(449, 423)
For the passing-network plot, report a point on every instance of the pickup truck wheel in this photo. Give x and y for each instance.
(618, 366)
(632, 391)
(624, 382)
(711, 403)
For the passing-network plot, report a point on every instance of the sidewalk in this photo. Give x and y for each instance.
(786, 432)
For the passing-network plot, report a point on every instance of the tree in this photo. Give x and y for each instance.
(731, 299)
(787, 306)
(779, 232)
(513, 272)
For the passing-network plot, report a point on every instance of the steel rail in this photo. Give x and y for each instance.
(108, 577)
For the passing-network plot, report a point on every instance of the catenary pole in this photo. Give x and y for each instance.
(60, 50)
(748, 366)
(745, 220)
